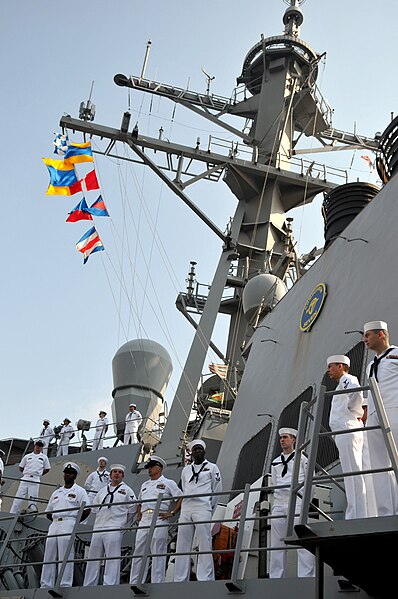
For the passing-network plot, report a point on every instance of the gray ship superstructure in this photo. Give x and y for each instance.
(286, 317)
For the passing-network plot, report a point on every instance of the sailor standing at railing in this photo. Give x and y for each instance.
(201, 477)
(346, 413)
(101, 428)
(33, 466)
(149, 492)
(66, 434)
(97, 479)
(46, 435)
(67, 499)
(281, 472)
(114, 514)
(132, 422)
(384, 368)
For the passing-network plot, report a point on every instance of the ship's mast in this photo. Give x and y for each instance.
(281, 101)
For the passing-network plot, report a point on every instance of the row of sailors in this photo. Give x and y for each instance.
(133, 420)
(116, 507)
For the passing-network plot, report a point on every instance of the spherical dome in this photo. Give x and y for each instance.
(263, 288)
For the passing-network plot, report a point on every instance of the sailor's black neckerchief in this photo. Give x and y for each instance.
(376, 361)
(111, 494)
(102, 474)
(284, 462)
(195, 475)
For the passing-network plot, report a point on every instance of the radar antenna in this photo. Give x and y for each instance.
(87, 111)
(209, 79)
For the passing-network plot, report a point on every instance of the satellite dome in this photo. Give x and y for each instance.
(142, 363)
(263, 289)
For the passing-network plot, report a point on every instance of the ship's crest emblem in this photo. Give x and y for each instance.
(312, 307)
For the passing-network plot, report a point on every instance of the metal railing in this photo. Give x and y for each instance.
(16, 536)
(303, 489)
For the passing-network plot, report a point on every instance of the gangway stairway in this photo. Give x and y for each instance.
(362, 550)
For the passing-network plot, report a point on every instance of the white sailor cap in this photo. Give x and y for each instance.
(286, 430)
(46, 420)
(375, 325)
(72, 465)
(102, 412)
(192, 444)
(118, 467)
(132, 405)
(338, 359)
(102, 458)
(155, 460)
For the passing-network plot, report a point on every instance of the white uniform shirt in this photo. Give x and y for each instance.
(151, 489)
(281, 496)
(133, 421)
(101, 424)
(110, 515)
(207, 480)
(387, 374)
(46, 434)
(66, 431)
(1, 467)
(67, 499)
(347, 406)
(33, 465)
(96, 480)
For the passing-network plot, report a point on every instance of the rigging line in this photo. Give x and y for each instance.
(162, 250)
(202, 340)
(164, 329)
(133, 308)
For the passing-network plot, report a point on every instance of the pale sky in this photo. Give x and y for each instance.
(62, 322)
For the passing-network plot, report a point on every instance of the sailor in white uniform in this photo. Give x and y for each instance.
(101, 428)
(149, 492)
(133, 420)
(97, 479)
(66, 434)
(33, 466)
(117, 510)
(199, 477)
(46, 435)
(281, 473)
(346, 413)
(384, 368)
(67, 499)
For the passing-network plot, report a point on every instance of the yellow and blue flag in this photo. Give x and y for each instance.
(77, 153)
(63, 180)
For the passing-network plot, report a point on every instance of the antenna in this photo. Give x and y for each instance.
(148, 47)
(294, 2)
(209, 79)
(87, 111)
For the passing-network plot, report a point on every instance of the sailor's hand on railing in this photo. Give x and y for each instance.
(166, 515)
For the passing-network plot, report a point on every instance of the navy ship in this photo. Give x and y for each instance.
(287, 312)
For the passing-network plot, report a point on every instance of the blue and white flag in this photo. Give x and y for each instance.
(60, 143)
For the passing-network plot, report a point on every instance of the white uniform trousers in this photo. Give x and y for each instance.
(385, 484)
(130, 438)
(158, 545)
(55, 550)
(98, 441)
(27, 489)
(305, 559)
(205, 567)
(371, 507)
(350, 446)
(45, 446)
(106, 544)
(63, 447)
